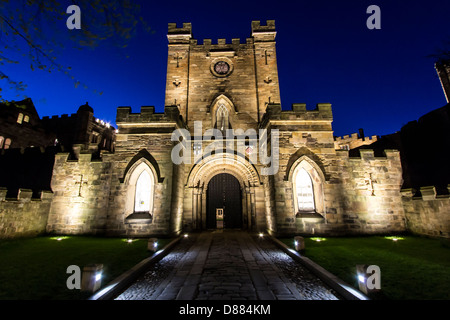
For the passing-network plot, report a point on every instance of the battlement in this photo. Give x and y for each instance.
(368, 154)
(183, 35)
(25, 195)
(298, 111)
(56, 117)
(263, 33)
(219, 44)
(173, 29)
(257, 27)
(30, 150)
(354, 140)
(179, 35)
(426, 193)
(148, 115)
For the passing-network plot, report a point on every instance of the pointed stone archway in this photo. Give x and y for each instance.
(224, 203)
(251, 189)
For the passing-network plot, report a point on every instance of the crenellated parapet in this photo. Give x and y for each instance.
(25, 195)
(425, 193)
(369, 154)
(24, 214)
(179, 35)
(298, 112)
(262, 33)
(147, 115)
(57, 117)
(427, 209)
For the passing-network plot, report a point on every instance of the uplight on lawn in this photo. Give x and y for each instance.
(58, 238)
(261, 235)
(317, 239)
(394, 238)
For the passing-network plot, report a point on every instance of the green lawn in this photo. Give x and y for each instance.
(36, 268)
(411, 267)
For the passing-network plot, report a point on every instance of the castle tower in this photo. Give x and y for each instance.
(224, 85)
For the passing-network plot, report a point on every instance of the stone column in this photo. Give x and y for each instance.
(200, 208)
(248, 206)
(197, 208)
(194, 209)
(204, 209)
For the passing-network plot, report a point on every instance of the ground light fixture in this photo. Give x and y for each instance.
(299, 243)
(152, 244)
(369, 278)
(91, 279)
(318, 239)
(59, 238)
(394, 238)
(261, 234)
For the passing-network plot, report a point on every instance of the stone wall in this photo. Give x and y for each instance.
(81, 195)
(369, 192)
(427, 214)
(23, 216)
(352, 195)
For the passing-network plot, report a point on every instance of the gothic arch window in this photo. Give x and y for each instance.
(304, 191)
(140, 184)
(143, 193)
(222, 119)
(307, 187)
(1, 142)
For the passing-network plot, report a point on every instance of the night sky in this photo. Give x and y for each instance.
(375, 79)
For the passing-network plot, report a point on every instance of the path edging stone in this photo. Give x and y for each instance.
(118, 285)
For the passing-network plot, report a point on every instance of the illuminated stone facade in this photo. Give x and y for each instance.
(131, 185)
(226, 86)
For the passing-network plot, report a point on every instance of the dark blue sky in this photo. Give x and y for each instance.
(375, 79)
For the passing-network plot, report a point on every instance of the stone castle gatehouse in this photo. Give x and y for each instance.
(136, 188)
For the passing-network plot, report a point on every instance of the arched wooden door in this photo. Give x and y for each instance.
(224, 196)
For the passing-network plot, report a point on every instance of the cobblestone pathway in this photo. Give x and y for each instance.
(227, 265)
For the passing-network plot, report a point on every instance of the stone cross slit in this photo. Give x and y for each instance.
(370, 182)
(81, 182)
(266, 55)
(178, 59)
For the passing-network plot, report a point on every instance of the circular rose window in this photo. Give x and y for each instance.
(222, 68)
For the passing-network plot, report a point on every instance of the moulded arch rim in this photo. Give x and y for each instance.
(308, 160)
(243, 170)
(133, 169)
(216, 101)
